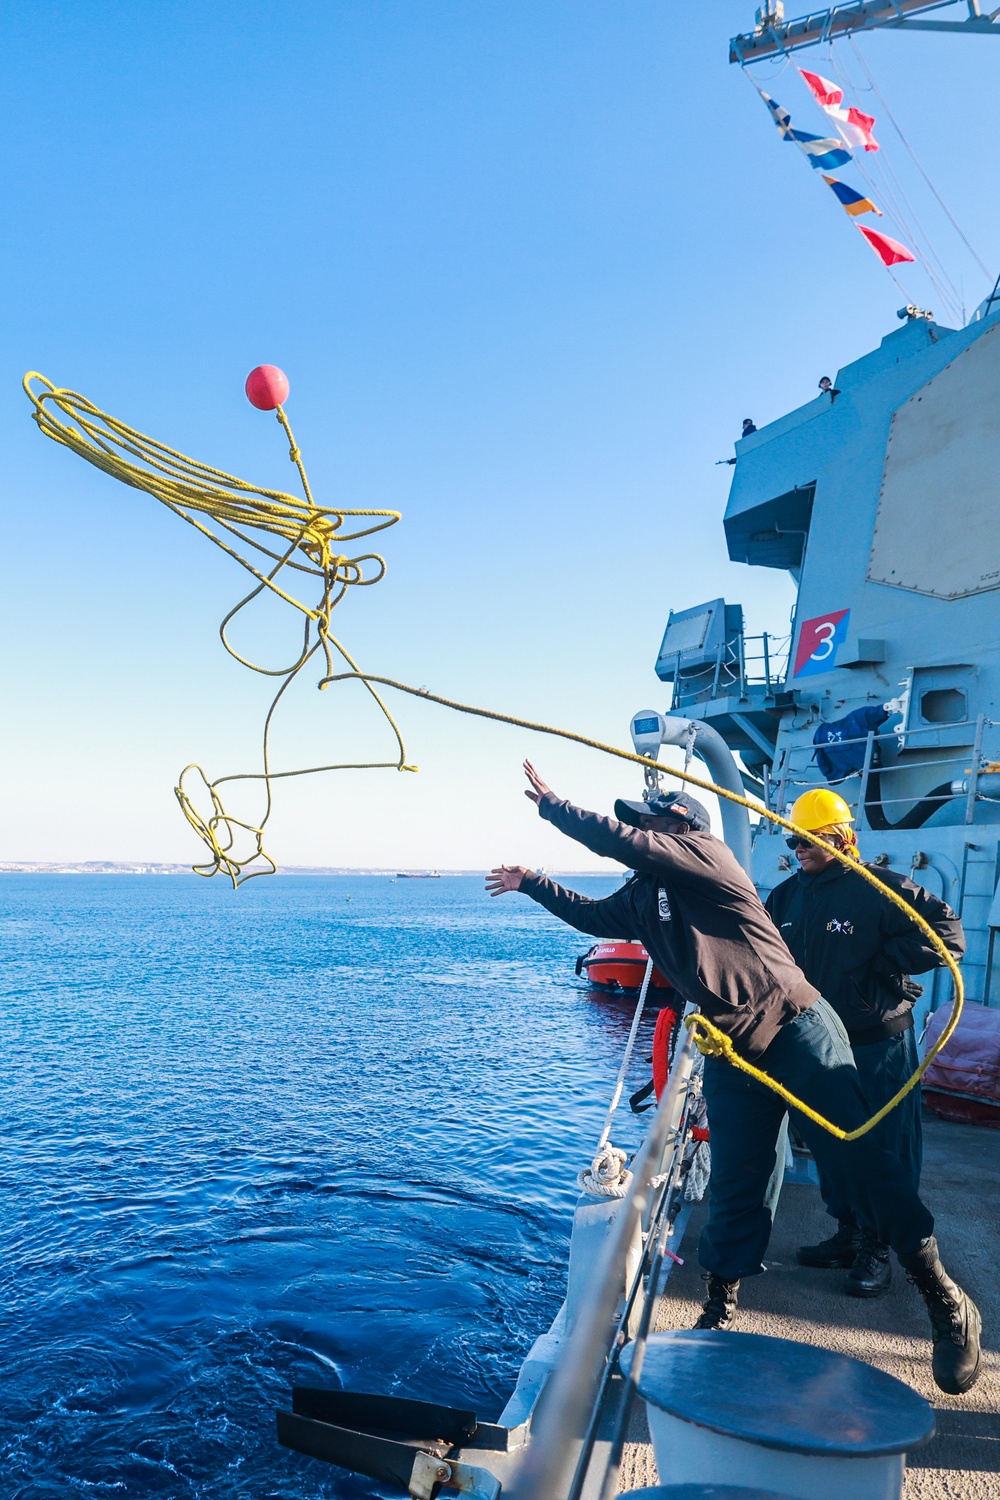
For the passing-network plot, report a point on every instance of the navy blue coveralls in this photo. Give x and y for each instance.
(701, 921)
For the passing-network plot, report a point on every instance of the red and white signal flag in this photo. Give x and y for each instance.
(854, 125)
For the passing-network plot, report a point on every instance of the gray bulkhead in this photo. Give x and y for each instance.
(884, 504)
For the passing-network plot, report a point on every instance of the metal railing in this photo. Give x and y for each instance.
(769, 664)
(891, 775)
(740, 664)
(558, 1458)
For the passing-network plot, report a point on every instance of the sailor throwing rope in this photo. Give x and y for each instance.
(700, 919)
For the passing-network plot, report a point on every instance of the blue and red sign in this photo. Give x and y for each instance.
(819, 641)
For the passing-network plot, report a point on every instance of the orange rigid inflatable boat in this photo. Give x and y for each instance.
(617, 966)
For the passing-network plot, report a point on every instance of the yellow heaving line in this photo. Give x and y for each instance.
(308, 536)
(307, 540)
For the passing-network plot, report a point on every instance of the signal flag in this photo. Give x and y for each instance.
(889, 251)
(855, 126)
(854, 203)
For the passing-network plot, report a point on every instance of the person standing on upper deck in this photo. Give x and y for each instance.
(859, 951)
(696, 911)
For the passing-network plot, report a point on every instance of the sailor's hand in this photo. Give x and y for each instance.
(538, 787)
(507, 878)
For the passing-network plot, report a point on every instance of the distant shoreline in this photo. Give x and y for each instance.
(135, 867)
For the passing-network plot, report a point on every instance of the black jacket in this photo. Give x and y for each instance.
(858, 948)
(697, 914)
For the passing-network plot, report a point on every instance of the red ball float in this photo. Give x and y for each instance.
(267, 387)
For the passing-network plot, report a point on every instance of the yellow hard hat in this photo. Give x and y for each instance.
(819, 808)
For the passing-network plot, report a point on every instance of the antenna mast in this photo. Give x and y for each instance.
(773, 34)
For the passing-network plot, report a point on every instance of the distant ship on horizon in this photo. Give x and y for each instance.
(418, 875)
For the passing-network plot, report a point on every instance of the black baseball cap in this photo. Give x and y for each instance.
(665, 805)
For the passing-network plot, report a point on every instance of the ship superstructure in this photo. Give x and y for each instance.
(883, 502)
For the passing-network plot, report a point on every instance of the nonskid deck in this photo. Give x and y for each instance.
(961, 1183)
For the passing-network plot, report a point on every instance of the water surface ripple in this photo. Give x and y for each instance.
(323, 1131)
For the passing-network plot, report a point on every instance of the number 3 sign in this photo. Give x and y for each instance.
(819, 641)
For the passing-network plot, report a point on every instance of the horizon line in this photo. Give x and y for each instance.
(170, 867)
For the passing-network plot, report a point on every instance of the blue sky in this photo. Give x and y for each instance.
(526, 265)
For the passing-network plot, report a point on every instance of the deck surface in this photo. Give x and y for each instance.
(961, 1185)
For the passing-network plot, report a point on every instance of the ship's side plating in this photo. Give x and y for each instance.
(883, 504)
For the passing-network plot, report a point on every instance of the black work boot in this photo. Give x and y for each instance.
(955, 1320)
(871, 1273)
(720, 1304)
(836, 1253)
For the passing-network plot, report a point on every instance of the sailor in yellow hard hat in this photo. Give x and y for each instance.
(822, 811)
(859, 951)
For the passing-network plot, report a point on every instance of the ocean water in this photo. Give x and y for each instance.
(322, 1131)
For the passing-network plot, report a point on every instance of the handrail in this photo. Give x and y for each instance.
(894, 734)
(798, 769)
(732, 665)
(551, 1457)
(866, 770)
(977, 751)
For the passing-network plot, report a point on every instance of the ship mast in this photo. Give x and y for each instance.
(773, 34)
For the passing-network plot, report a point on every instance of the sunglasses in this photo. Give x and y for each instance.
(797, 843)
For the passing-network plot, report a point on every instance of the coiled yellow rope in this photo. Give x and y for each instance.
(310, 533)
(308, 537)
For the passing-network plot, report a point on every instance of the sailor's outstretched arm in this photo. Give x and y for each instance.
(610, 917)
(681, 859)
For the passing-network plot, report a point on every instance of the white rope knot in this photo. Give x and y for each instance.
(607, 1176)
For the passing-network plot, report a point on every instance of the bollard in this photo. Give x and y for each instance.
(744, 1409)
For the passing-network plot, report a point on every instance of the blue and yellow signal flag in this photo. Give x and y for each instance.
(854, 203)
